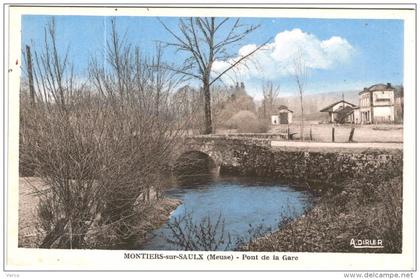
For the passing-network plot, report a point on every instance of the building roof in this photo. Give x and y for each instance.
(377, 87)
(342, 113)
(284, 107)
(330, 107)
(345, 110)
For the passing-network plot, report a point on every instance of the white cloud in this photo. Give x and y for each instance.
(276, 58)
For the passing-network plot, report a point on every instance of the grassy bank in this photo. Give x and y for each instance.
(147, 217)
(367, 208)
(359, 210)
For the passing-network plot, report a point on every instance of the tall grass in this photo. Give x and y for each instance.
(366, 208)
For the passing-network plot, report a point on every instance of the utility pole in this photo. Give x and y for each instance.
(30, 74)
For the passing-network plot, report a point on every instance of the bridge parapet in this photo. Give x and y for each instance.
(308, 162)
(268, 136)
(223, 149)
(228, 140)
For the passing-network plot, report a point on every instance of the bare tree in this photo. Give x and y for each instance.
(99, 148)
(206, 40)
(53, 72)
(146, 114)
(270, 94)
(190, 99)
(219, 97)
(300, 75)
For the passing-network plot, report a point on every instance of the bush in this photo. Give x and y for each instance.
(389, 214)
(240, 117)
(205, 235)
(253, 126)
(99, 147)
(247, 122)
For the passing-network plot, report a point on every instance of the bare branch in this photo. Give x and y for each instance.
(239, 61)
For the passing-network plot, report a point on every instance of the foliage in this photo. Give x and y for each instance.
(300, 75)
(254, 232)
(247, 122)
(205, 235)
(270, 99)
(364, 208)
(99, 146)
(208, 234)
(203, 41)
(253, 126)
(241, 116)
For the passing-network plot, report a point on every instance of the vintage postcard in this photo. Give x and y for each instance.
(217, 137)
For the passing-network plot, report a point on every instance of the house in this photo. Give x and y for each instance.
(377, 104)
(284, 116)
(341, 112)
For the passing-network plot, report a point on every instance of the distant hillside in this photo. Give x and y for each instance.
(312, 104)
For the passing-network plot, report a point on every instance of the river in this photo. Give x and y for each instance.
(233, 209)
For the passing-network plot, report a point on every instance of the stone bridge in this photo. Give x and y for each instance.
(296, 162)
(222, 149)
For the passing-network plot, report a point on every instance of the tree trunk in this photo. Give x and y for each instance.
(208, 129)
(264, 110)
(301, 116)
(30, 74)
(310, 134)
(351, 135)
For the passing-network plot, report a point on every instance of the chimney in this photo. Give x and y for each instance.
(365, 89)
(388, 85)
(242, 85)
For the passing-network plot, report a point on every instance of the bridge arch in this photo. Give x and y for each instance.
(223, 150)
(191, 162)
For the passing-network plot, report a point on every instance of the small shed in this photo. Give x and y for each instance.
(283, 116)
(340, 112)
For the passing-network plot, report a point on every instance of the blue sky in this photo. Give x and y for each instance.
(341, 54)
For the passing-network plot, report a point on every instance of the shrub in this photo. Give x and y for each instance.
(205, 235)
(247, 122)
(241, 116)
(390, 214)
(253, 126)
(99, 147)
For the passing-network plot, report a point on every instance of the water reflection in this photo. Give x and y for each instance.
(244, 203)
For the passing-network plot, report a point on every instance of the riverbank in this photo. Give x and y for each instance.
(148, 219)
(366, 209)
(150, 216)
